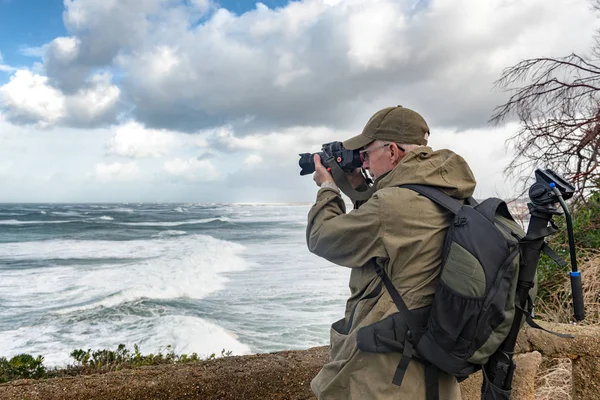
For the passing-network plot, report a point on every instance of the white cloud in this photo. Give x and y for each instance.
(256, 89)
(280, 144)
(29, 98)
(132, 139)
(33, 51)
(116, 172)
(333, 62)
(93, 102)
(253, 159)
(66, 49)
(487, 152)
(4, 67)
(191, 169)
(193, 66)
(162, 62)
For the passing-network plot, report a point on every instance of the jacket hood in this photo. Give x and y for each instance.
(442, 168)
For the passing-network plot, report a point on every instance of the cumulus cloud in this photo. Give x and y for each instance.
(190, 66)
(191, 169)
(280, 144)
(29, 99)
(253, 159)
(325, 64)
(191, 92)
(116, 172)
(132, 139)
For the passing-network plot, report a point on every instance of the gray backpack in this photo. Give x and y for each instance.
(474, 303)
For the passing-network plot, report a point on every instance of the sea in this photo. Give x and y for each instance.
(203, 278)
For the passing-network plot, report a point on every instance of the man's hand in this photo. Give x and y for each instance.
(355, 178)
(321, 174)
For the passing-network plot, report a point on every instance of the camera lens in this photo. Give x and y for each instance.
(307, 164)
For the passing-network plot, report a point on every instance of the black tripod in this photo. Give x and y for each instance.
(548, 190)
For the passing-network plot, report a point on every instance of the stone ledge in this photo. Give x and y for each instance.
(287, 375)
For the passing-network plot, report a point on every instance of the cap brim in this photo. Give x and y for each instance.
(357, 142)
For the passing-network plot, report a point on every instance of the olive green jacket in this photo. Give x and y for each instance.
(404, 232)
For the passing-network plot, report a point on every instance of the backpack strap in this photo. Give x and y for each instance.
(413, 336)
(552, 254)
(432, 379)
(528, 317)
(437, 196)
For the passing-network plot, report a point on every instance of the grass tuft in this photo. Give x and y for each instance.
(554, 380)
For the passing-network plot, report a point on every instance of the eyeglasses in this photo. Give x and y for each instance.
(364, 154)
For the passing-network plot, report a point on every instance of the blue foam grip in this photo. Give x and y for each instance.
(577, 293)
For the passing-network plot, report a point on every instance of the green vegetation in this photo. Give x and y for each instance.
(25, 366)
(22, 366)
(124, 358)
(554, 301)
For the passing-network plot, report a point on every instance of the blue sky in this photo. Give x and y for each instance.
(27, 23)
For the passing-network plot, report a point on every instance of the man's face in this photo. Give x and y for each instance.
(376, 158)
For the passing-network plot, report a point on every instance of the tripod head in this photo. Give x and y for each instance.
(542, 192)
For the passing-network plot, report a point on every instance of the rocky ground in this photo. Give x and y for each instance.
(287, 375)
(282, 375)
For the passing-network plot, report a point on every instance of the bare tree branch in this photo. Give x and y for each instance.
(558, 106)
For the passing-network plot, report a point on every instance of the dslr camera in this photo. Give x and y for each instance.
(348, 160)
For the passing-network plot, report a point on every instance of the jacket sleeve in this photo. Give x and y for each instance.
(349, 239)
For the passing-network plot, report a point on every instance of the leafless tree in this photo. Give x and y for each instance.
(557, 102)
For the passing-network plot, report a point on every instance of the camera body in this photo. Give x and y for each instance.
(348, 160)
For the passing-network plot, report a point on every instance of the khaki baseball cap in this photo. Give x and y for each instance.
(392, 124)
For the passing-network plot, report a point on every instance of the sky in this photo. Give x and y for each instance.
(208, 101)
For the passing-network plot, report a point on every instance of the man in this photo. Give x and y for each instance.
(399, 229)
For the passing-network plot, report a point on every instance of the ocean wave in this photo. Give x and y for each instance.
(106, 218)
(66, 213)
(17, 222)
(176, 223)
(188, 266)
(170, 233)
(98, 249)
(58, 337)
(121, 210)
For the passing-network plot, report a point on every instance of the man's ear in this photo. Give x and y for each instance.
(397, 151)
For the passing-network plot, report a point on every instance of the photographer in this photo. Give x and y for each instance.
(397, 228)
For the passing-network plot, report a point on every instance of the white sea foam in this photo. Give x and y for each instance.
(184, 266)
(80, 249)
(66, 213)
(92, 294)
(106, 218)
(170, 233)
(57, 339)
(175, 223)
(121, 210)
(17, 222)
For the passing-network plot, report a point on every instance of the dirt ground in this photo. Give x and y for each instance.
(282, 375)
